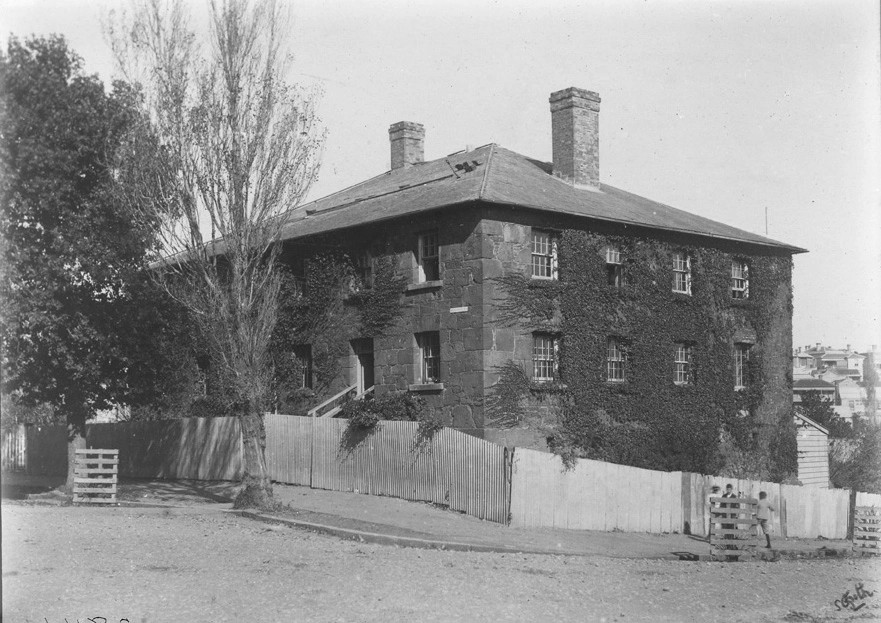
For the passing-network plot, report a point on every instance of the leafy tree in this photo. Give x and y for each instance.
(77, 318)
(225, 149)
(818, 408)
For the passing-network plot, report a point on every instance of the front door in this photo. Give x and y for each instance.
(364, 352)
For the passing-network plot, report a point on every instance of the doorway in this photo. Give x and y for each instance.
(363, 349)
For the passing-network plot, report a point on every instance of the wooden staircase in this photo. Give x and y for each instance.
(332, 406)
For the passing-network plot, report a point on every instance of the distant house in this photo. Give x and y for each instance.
(823, 388)
(813, 452)
(842, 361)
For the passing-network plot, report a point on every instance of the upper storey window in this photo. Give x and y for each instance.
(427, 257)
(544, 254)
(682, 272)
(739, 279)
(614, 267)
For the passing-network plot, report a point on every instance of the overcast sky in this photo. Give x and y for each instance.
(724, 109)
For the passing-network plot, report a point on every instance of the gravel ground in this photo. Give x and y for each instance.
(200, 564)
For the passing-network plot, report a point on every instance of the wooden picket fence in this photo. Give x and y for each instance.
(867, 531)
(96, 475)
(733, 533)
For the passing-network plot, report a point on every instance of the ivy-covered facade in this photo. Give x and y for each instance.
(529, 304)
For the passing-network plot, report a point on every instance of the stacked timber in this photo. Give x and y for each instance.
(733, 533)
(95, 476)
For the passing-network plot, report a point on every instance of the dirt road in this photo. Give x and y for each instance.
(198, 564)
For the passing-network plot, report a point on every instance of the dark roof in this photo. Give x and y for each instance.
(809, 422)
(812, 384)
(499, 176)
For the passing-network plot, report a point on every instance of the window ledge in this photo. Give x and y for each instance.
(426, 387)
(424, 285)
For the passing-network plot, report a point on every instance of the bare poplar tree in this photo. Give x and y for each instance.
(225, 150)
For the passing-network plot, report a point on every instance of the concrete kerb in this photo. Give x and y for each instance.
(458, 546)
(402, 541)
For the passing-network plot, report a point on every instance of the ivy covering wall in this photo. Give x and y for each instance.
(324, 309)
(648, 420)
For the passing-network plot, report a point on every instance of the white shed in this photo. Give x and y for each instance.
(813, 452)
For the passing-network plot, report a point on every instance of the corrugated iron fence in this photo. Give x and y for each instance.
(449, 467)
(14, 457)
(592, 495)
(196, 448)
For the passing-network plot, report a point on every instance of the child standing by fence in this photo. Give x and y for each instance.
(763, 514)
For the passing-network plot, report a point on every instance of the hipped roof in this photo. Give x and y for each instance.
(495, 175)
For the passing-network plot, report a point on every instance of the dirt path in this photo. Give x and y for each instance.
(195, 564)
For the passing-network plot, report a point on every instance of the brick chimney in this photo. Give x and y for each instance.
(407, 139)
(575, 130)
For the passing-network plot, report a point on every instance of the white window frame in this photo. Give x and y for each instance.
(428, 343)
(543, 263)
(364, 268)
(739, 279)
(428, 255)
(614, 266)
(682, 272)
(741, 365)
(544, 357)
(616, 358)
(682, 373)
(303, 353)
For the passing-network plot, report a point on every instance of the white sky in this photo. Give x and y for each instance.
(723, 109)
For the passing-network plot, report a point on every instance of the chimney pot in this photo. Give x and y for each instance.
(575, 131)
(407, 143)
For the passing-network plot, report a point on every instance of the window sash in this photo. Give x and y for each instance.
(544, 358)
(682, 273)
(682, 374)
(429, 353)
(615, 360)
(613, 255)
(544, 252)
(304, 358)
(428, 259)
(739, 280)
(741, 359)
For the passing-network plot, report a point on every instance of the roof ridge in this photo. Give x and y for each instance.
(489, 160)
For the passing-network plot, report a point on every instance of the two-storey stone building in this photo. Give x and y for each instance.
(509, 259)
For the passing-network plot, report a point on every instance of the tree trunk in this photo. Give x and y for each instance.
(256, 487)
(76, 440)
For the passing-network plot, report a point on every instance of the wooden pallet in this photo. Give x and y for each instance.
(867, 531)
(733, 534)
(95, 476)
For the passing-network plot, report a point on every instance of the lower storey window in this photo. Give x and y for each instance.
(429, 356)
(741, 366)
(304, 360)
(682, 374)
(544, 357)
(616, 357)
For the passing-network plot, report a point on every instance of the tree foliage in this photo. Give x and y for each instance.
(225, 151)
(819, 408)
(78, 319)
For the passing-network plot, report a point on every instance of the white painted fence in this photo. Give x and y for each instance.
(593, 495)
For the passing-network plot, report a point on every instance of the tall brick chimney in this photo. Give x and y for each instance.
(407, 139)
(575, 130)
